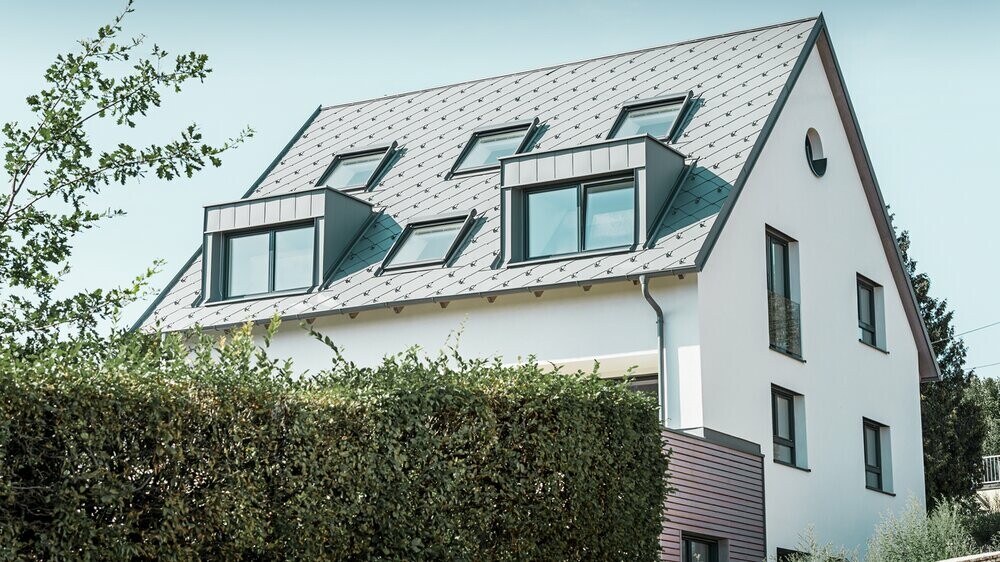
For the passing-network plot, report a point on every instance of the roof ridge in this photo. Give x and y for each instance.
(580, 61)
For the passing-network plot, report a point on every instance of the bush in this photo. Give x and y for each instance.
(146, 449)
(916, 537)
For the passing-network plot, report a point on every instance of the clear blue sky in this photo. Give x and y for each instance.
(923, 75)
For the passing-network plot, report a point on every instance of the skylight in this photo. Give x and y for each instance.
(487, 146)
(657, 117)
(428, 242)
(357, 169)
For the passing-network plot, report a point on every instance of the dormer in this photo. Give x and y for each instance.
(598, 198)
(278, 245)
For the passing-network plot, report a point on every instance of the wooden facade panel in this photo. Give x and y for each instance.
(719, 494)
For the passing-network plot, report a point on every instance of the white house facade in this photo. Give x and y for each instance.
(702, 214)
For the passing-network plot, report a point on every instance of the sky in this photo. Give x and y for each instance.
(923, 77)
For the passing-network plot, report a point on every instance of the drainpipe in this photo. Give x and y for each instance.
(661, 371)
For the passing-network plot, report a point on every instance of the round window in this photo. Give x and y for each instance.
(814, 153)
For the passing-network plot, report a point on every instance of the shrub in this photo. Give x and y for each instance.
(916, 537)
(160, 448)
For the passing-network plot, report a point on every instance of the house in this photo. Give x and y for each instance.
(704, 212)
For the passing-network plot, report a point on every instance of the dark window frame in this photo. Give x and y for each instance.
(872, 329)
(776, 393)
(878, 468)
(816, 165)
(388, 150)
(530, 127)
(772, 238)
(681, 98)
(686, 543)
(271, 232)
(581, 210)
(466, 218)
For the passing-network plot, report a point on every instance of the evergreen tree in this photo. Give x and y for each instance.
(953, 426)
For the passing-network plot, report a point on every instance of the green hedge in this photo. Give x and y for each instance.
(145, 450)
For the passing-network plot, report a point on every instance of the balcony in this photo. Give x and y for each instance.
(991, 472)
(784, 325)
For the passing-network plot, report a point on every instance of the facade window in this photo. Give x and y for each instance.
(699, 550)
(783, 423)
(788, 555)
(867, 315)
(644, 383)
(814, 153)
(784, 320)
(658, 117)
(269, 261)
(428, 243)
(578, 218)
(357, 169)
(487, 146)
(874, 477)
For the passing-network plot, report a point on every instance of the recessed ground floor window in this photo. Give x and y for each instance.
(696, 549)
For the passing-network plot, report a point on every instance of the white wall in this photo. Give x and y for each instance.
(842, 379)
(567, 326)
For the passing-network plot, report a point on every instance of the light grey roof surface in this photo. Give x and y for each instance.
(736, 79)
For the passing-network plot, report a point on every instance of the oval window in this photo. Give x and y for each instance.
(814, 153)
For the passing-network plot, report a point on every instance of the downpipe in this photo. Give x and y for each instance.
(661, 371)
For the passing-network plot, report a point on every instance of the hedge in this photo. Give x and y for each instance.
(171, 449)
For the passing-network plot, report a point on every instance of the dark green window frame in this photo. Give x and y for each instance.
(270, 260)
(387, 151)
(868, 333)
(782, 242)
(682, 99)
(581, 209)
(687, 548)
(778, 393)
(530, 127)
(873, 466)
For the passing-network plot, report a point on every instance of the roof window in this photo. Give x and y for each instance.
(357, 170)
(431, 241)
(658, 117)
(487, 145)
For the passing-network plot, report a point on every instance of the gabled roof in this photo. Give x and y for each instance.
(736, 79)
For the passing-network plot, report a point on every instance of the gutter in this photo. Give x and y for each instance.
(661, 371)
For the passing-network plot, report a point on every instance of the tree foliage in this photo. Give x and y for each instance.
(953, 425)
(985, 392)
(169, 448)
(52, 168)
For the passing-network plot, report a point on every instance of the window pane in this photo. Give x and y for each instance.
(610, 220)
(246, 270)
(293, 258)
(354, 171)
(553, 222)
(654, 121)
(487, 149)
(777, 266)
(644, 383)
(783, 413)
(698, 551)
(873, 480)
(427, 243)
(871, 446)
(865, 315)
(783, 453)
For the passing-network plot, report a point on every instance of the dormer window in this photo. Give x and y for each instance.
(431, 241)
(657, 117)
(277, 245)
(357, 169)
(270, 261)
(580, 218)
(487, 145)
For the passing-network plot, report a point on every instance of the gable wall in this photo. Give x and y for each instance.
(842, 379)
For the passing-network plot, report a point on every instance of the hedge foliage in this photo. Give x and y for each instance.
(170, 449)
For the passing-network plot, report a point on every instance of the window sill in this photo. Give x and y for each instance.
(890, 494)
(789, 465)
(573, 256)
(788, 354)
(875, 347)
(259, 297)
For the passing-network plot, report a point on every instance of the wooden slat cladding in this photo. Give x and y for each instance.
(718, 494)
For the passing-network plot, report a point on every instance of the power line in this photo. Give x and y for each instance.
(984, 366)
(968, 332)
